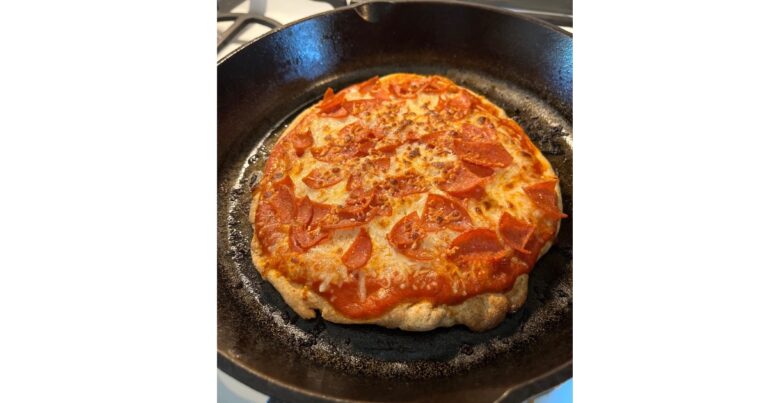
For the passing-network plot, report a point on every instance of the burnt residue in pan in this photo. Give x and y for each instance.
(379, 352)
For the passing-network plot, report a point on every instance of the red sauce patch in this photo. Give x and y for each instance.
(320, 178)
(359, 252)
(440, 212)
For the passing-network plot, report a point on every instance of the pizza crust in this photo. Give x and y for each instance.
(479, 313)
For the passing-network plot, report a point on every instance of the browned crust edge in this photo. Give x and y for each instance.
(479, 313)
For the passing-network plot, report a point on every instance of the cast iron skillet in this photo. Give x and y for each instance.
(522, 65)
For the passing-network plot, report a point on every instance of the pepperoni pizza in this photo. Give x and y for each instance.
(405, 201)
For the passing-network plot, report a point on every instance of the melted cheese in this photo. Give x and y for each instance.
(504, 193)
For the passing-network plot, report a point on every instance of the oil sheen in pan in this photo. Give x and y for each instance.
(377, 351)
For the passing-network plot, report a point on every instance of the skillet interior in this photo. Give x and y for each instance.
(520, 65)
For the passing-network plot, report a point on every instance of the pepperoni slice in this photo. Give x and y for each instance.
(304, 212)
(458, 106)
(515, 232)
(301, 141)
(355, 181)
(382, 164)
(358, 201)
(368, 84)
(407, 184)
(440, 212)
(480, 153)
(334, 153)
(319, 212)
(359, 252)
(301, 239)
(331, 104)
(359, 106)
(477, 133)
(343, 219)
(407, 88)
(407, 232)
(437, 85)
(320, 178)
(480, 244)
(544, 196)
(283, 201)
(390, 143)
(479, 170)
(461, 182)
(267, 226)
(440, 139)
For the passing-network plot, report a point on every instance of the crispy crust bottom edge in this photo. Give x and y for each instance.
(479, 313)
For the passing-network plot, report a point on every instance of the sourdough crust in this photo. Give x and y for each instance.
(479, 313)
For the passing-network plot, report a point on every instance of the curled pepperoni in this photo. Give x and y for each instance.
(461, 182)
(480, 153)
(479, 170)
(359, 106)
(320, 178)
(304, 212)
(437, 85)
(406, 236)
(282, 200)
(306, 231)
(480, 244)
(406, 184)
(342, 219)
(355, 181)
(301, 239)
(544, 196)
(407, 88)
(441, 139)
(301, 141)
(407, 232)
(331, 105)
(458, 106)
(358, 201)
(267, 226)
(359, 252)
(477, 133)
(333, 153)
(515, 232)
(390, 143)
(440, 212)
(368, 84)
(382, 164)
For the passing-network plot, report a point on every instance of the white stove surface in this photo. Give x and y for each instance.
(231, 390)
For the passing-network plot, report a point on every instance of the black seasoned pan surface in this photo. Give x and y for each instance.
(519, 64)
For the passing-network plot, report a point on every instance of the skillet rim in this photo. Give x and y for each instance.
(355, 6)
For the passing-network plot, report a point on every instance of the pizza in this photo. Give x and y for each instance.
(404, 201)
